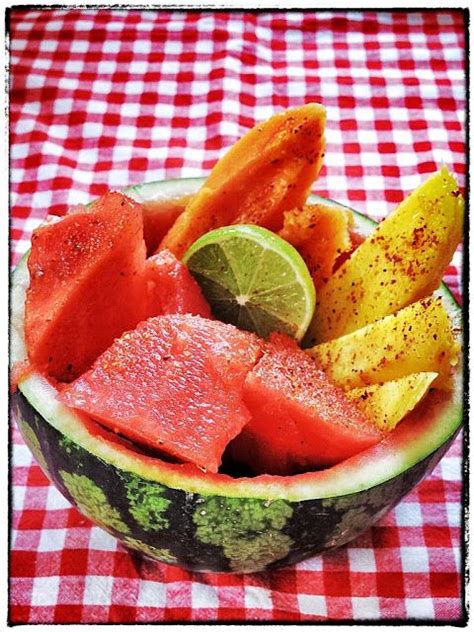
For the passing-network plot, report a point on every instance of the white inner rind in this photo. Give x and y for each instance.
(432, 424)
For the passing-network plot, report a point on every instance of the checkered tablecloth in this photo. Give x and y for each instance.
(108, 98)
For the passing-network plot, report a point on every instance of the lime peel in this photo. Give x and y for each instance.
(254, 279)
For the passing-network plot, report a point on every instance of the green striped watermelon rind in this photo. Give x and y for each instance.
(202, 521)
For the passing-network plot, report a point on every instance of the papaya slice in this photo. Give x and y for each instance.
(321, 234)
(267, 172)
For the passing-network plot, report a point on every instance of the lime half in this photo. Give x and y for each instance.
(253, 279)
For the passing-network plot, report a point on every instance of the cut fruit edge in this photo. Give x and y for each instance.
(436, 421)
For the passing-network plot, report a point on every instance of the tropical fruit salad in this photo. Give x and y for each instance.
(245, 329)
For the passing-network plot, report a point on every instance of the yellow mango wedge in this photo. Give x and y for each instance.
(267, 172)
(415, 339)
(387, 404)
(402, 261)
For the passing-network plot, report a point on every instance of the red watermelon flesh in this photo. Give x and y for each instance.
(300, 420)
(86, 285)
(172, 289)
(173, 384)
(158, 217)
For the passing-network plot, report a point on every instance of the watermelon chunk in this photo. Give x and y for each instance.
(300, 420)
(172, 289)
(90, 282)
(158, 217)
(173, 384)
(86, 285)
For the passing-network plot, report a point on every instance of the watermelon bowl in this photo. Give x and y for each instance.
(177, 514)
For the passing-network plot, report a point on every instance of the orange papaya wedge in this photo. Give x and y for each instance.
(268, 171)
(321, 234)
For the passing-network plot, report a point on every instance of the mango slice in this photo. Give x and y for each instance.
(402, 261)
(267, 172)
(416, 338)
(387, 404)
(320, 233)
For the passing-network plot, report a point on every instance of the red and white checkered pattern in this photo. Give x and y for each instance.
(107, 98)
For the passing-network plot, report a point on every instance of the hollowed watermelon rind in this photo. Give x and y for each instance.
(180, 515)
(206, 532)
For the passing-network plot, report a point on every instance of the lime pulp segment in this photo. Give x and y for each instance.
(253, 279)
